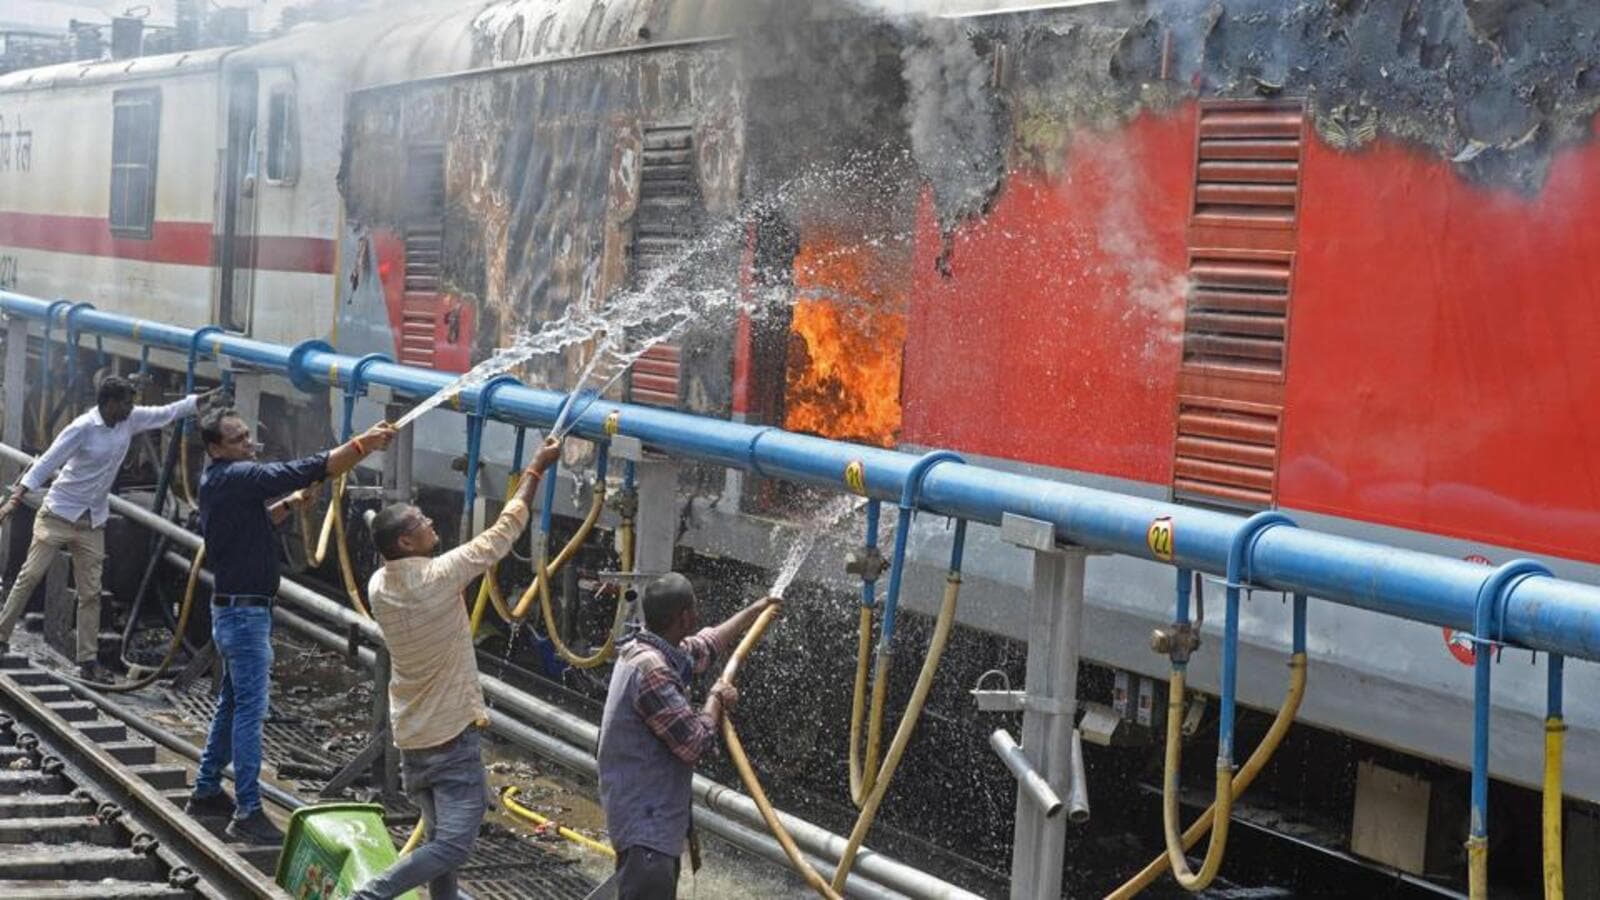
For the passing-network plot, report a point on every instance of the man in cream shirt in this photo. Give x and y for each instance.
(436, 707)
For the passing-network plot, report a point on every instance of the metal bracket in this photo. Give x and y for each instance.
(627, 447)
(1020, 701)
(1028, 533)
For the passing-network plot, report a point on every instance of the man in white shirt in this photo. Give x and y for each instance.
(85, 458)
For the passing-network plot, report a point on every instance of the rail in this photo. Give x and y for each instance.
(173, 847)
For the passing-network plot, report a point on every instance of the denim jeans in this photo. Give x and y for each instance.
(447, 784)
(243, 636)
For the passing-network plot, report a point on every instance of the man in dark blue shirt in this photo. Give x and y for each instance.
(241, 551)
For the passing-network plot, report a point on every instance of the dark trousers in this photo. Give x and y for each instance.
(646, 874)
(447, 784)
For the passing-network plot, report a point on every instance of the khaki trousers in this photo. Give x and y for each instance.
(87, 545)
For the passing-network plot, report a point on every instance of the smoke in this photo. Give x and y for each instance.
(953, 118)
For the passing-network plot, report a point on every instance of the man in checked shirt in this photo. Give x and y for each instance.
(651, 737)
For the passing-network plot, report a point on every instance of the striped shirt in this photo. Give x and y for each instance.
(433, 681)
(662, 692)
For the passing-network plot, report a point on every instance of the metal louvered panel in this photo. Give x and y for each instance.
(424, 254)
(1248, 170)
(1242, 235)
(668, 218)
(656, 376)
(1227, 453)
(1238, 310)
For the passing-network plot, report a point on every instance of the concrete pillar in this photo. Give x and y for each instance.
(246, 397)
(397, 477)
(1049, 707)
(656, 526)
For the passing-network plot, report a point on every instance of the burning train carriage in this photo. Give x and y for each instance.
(1235, 256)
(1329, 258)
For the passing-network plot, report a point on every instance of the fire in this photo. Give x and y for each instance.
(845, 345)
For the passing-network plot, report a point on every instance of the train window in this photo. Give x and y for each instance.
(283, 138)
(135, 136)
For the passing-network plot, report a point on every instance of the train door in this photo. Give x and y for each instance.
(236, 247)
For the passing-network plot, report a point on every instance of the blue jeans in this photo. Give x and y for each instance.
(243, 636)
(447, 784)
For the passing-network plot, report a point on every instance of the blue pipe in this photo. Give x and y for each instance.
(909, 494)
(1299, 623)
(1552, 703)
(354, 388)
(548, 502)
(1547, 614)
(869, 581)
(476, 419)
(51, 310)
(1181, 609)
(1488, 616)
(517, 449)
(72, 347)
(1239, 553)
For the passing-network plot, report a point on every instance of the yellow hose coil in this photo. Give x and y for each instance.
(1555, 731)
(1246, 775)
(189, 591)
(741, 761)
(333, 527)
(508, 800)
(1221, 808)
(860, 783)
(902, 735)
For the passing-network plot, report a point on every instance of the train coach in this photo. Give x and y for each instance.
(1330, 259)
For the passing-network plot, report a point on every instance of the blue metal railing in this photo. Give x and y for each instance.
(1538, 612)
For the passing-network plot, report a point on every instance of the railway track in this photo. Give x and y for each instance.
(88, 811)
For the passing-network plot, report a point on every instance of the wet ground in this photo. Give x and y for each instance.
(321, 708)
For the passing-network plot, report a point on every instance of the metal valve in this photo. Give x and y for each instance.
(1177, 641)
(866, 563)
(626, 503)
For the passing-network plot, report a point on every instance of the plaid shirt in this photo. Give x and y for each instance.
(662, 697)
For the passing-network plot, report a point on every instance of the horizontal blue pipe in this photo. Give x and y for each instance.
(1543, 613)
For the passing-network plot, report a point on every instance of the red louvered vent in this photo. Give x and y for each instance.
(1238, 315)
(422, 307)
(1248, 171)
(655, 376)
(1227, 453)
(1242, 241)
(669, 215)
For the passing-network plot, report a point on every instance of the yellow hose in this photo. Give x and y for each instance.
(333, 526)
(902, 734)
(747, 774)
(1477, 868)
(1221, 808)
(190, 589)
(1246, 775)
(1555, 731)
(541, 587)
(507, 799)
(542, 580)
(860, 786)
(183, 469)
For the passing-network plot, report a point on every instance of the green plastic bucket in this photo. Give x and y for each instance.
(332, 849)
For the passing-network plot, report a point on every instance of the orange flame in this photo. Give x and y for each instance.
(845, 348)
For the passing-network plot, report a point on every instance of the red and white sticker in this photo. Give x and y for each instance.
(1460, 644)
